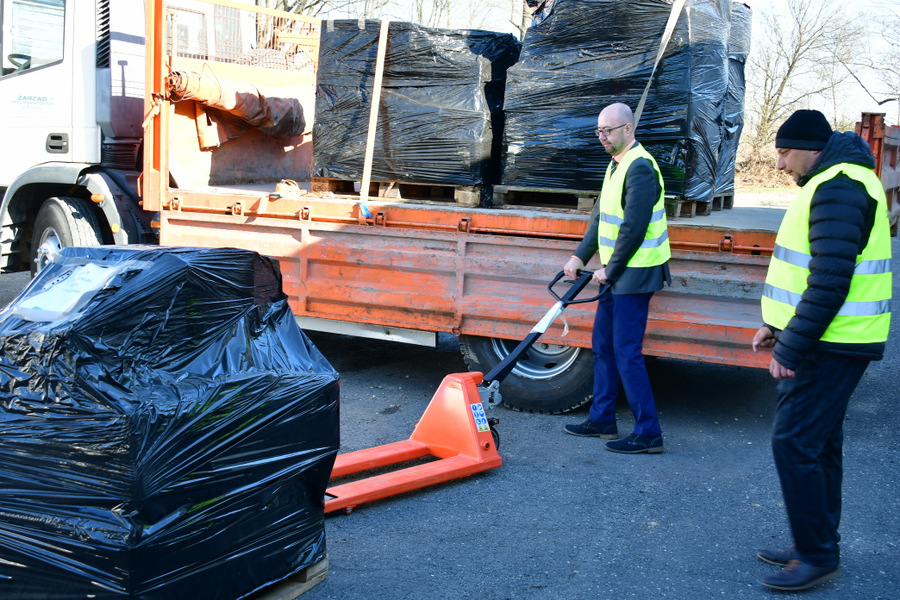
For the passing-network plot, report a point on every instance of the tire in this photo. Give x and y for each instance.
(63, 222)
(546, 379)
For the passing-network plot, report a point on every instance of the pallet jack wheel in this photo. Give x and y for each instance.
(496, 435)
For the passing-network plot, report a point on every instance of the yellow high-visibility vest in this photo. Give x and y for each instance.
(865, 316)
(655, 248)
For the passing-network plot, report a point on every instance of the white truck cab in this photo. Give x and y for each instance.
(71, 112)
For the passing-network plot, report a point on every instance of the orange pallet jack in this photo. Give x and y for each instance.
(454, 434)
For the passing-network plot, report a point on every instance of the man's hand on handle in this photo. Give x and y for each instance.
(572, 266)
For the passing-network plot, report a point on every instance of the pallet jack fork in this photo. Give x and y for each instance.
(454, 431)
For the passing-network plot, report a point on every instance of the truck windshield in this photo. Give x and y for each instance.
(31, 35)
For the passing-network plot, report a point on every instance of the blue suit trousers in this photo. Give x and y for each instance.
(618, 339)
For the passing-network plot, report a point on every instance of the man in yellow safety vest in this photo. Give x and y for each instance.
(629, 232)
(826, 309)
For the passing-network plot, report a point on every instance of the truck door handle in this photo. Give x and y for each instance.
(58, 143)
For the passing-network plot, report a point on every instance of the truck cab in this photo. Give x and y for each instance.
(71, 96)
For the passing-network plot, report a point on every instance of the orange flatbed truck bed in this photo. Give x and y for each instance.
(480, 272)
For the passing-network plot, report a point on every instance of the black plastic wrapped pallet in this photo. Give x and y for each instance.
(166, 429)
(440, 118)
(586, 54)
(733, 113)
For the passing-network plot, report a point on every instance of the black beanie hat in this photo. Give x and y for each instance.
(804, 130)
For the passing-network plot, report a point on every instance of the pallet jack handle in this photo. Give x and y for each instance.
(454, 430)
(490, 385)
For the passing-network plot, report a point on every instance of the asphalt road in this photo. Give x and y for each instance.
(563, 518)
(11, 284)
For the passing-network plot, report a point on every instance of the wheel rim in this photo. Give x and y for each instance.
(541, 361)
(50, 244)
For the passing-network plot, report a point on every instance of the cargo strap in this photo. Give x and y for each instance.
(373, 120)
(677, 6)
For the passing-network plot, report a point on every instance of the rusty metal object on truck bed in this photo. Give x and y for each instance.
(278, 115)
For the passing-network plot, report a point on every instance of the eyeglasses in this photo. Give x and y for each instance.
(605, 131)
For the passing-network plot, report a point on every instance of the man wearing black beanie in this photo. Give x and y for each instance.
(826, 309)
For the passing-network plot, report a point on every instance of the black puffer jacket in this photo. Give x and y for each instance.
(840, 221)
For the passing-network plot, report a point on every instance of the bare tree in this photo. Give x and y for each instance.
(804, 57)
(304, 7)
(503, 15)
(888, 63)
(432, 13)
(370, 8)
(848, 57)
(457, 15)
(351, 8)
(520, 15)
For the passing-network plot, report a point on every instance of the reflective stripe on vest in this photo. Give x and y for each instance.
(863, 267)
(654, 250)
(865, 315)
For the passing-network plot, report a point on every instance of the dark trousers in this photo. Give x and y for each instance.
(807, 443)
(618, 340)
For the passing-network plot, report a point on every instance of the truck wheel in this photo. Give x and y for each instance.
(63, 222)
(547, 379)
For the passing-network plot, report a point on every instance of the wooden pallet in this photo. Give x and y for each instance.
(295, 585)
(678, 207)
(704, 208)
(723, 201)
(401, 190)
(549, 197)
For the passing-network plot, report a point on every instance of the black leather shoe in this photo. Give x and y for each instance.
(779, 558)
(798, 575)
(607, 431)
